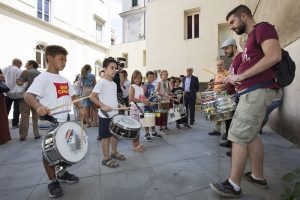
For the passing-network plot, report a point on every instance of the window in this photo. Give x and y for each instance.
(134, 3)
(125, 55)
(40, 56)
(99, 32)
(192, 26)
(43, 10)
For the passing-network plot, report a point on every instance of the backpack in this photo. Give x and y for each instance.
(285, 69)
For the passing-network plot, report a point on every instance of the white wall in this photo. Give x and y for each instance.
(166, 46)
(20, 35)
(135, 55)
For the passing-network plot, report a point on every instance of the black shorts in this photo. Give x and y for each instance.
(104, 131)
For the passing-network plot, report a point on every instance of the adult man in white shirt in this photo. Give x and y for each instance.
(11, 73)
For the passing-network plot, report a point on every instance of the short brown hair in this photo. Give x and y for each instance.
(239, 10)
(54, 50)
(150, 73)
(109, 60)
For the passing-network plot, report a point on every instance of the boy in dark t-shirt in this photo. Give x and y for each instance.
(178, 103)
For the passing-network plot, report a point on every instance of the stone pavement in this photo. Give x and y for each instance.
(180, 167)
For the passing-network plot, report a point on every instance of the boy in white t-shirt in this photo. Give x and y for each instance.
(48, 90)
(104, 95)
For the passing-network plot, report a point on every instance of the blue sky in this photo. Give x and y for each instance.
(116, 9)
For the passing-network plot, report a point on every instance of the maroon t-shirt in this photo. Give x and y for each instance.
(253, 53)
(234, 65)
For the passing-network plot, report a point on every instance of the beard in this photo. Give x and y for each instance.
(230, 54)
(240, 29)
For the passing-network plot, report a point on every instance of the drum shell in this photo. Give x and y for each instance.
(222, 116)
(173, 115)
(148, 120)
(207, 96)
(161, 118)
(50, 150)
(123, 132)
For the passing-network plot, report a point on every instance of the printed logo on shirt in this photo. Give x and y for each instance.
(62, 89)
(245, 56)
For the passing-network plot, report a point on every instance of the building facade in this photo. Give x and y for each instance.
(82, 27)
(133, 47)
(186, 33)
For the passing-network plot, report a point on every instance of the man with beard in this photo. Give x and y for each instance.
(230, 49)
(262, 51)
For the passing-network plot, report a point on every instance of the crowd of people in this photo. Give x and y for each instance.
(115, 94)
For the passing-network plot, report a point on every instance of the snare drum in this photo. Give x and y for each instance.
(65, 143)
(126, 127)
(207, 96)
(148, 120)
(161, 118)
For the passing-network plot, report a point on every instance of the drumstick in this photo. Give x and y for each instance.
(124, 108)
(68, 104)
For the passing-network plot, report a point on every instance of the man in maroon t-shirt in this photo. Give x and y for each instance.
(261, 52)
(230, 49)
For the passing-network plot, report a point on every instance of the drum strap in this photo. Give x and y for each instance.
(255, 87)
(49, 119)
(105, 113)
(142, 116)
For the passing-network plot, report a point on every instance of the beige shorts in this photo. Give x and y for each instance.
(249, 115)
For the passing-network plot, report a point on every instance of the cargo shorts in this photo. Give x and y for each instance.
(249, 115)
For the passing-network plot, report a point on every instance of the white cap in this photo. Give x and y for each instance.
(228, 42)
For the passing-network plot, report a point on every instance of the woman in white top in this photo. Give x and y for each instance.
(136, 95)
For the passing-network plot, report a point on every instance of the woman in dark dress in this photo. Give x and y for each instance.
(4, 128)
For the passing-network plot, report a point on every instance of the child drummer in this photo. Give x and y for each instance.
(163, 89)
(177, 91)
(104, 95)
(137, 102)
(48, 90)
(152, 97)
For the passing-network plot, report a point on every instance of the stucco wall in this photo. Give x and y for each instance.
(166, 44)
(134, 51)
(285, 16)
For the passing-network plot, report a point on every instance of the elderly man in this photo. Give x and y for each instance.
(11, 73)
(190, 85)
(219, 86)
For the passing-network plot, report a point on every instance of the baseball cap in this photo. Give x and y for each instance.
(228, 42)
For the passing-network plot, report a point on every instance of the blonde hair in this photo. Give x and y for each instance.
(163, 71)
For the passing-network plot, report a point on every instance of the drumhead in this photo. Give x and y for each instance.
(71, 146)
(126, 122)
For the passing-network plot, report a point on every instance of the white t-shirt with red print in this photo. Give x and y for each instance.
(53, 90)
(107, 94)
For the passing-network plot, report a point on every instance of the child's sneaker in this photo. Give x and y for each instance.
(156, 135)
(161, 131)
(147, 138)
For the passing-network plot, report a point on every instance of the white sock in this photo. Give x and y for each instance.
(235, 186)
(259, 179)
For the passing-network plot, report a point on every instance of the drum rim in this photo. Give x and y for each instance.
(54, 132)
(133, 129)
(122, 137)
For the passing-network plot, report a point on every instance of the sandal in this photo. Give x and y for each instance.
(138, 148)
(118, 156)
(110, 163)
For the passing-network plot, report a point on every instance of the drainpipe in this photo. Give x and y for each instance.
(145, 20)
